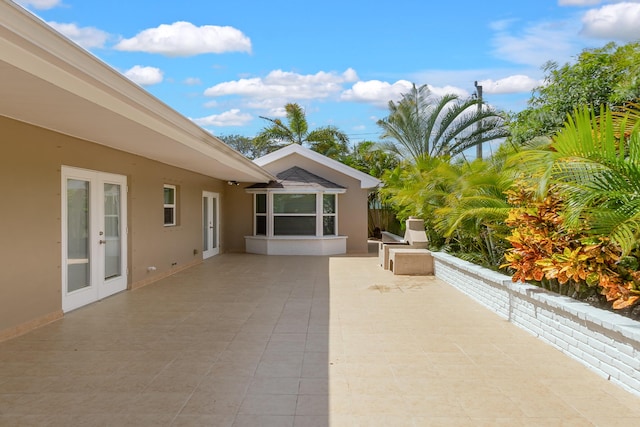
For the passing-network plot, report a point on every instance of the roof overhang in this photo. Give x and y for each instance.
(48, 81)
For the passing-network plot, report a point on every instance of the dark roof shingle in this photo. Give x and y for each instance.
(298, 178)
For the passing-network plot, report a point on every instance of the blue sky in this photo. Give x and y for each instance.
(226, 63)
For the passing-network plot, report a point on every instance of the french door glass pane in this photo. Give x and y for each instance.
(214, 211)
(205, 223)
(78, 253)
(112, 232)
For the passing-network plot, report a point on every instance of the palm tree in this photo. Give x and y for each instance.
(327, 140)
(422, 125)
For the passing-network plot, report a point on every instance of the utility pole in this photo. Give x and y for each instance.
(479, 95)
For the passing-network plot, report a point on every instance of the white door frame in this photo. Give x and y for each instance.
(210, 224)
(98, 286)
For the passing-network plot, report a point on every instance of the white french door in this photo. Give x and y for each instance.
(94, 236)
(210, 224)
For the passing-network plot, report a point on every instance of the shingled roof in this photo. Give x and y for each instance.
(298, 178)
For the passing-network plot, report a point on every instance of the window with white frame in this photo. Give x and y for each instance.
(260, 204)
(295, 214)
(329, 213)
(170, 205)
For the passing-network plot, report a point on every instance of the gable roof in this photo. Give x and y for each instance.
(48, 81)
(366, 181)
(297, 179)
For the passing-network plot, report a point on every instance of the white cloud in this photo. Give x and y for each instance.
(87, 37)
(379, 93)
(279, 86)
(376, 92)
(277, 112)
(512, 84)
(192, 81)
(232, 117)
(40, 4)
(616, 21)
(448, 90)
(144, 76)
(501, 25)
(185, 39)
(535, 44)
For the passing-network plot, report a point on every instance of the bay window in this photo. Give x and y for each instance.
(295, 214)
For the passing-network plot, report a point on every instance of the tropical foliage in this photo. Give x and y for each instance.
(584, 229)
(463, 205)
(568, 262)
(564, 214)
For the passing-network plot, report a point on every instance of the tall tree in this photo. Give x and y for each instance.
(327, 140)
(370, 158)
(243, 145)
(422, 125)
(607, 76)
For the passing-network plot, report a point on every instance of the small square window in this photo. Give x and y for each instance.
(169, 205)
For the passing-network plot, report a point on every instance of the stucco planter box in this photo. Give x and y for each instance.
(604, 341)
(410, 261)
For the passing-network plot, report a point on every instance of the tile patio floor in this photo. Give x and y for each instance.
(245, 340)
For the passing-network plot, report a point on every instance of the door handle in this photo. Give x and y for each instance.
(102, 242)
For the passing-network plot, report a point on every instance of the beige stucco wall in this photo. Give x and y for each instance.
(238, 212)
(30, 230)
(352, 205)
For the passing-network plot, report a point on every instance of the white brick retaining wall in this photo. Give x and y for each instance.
(604, 341)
